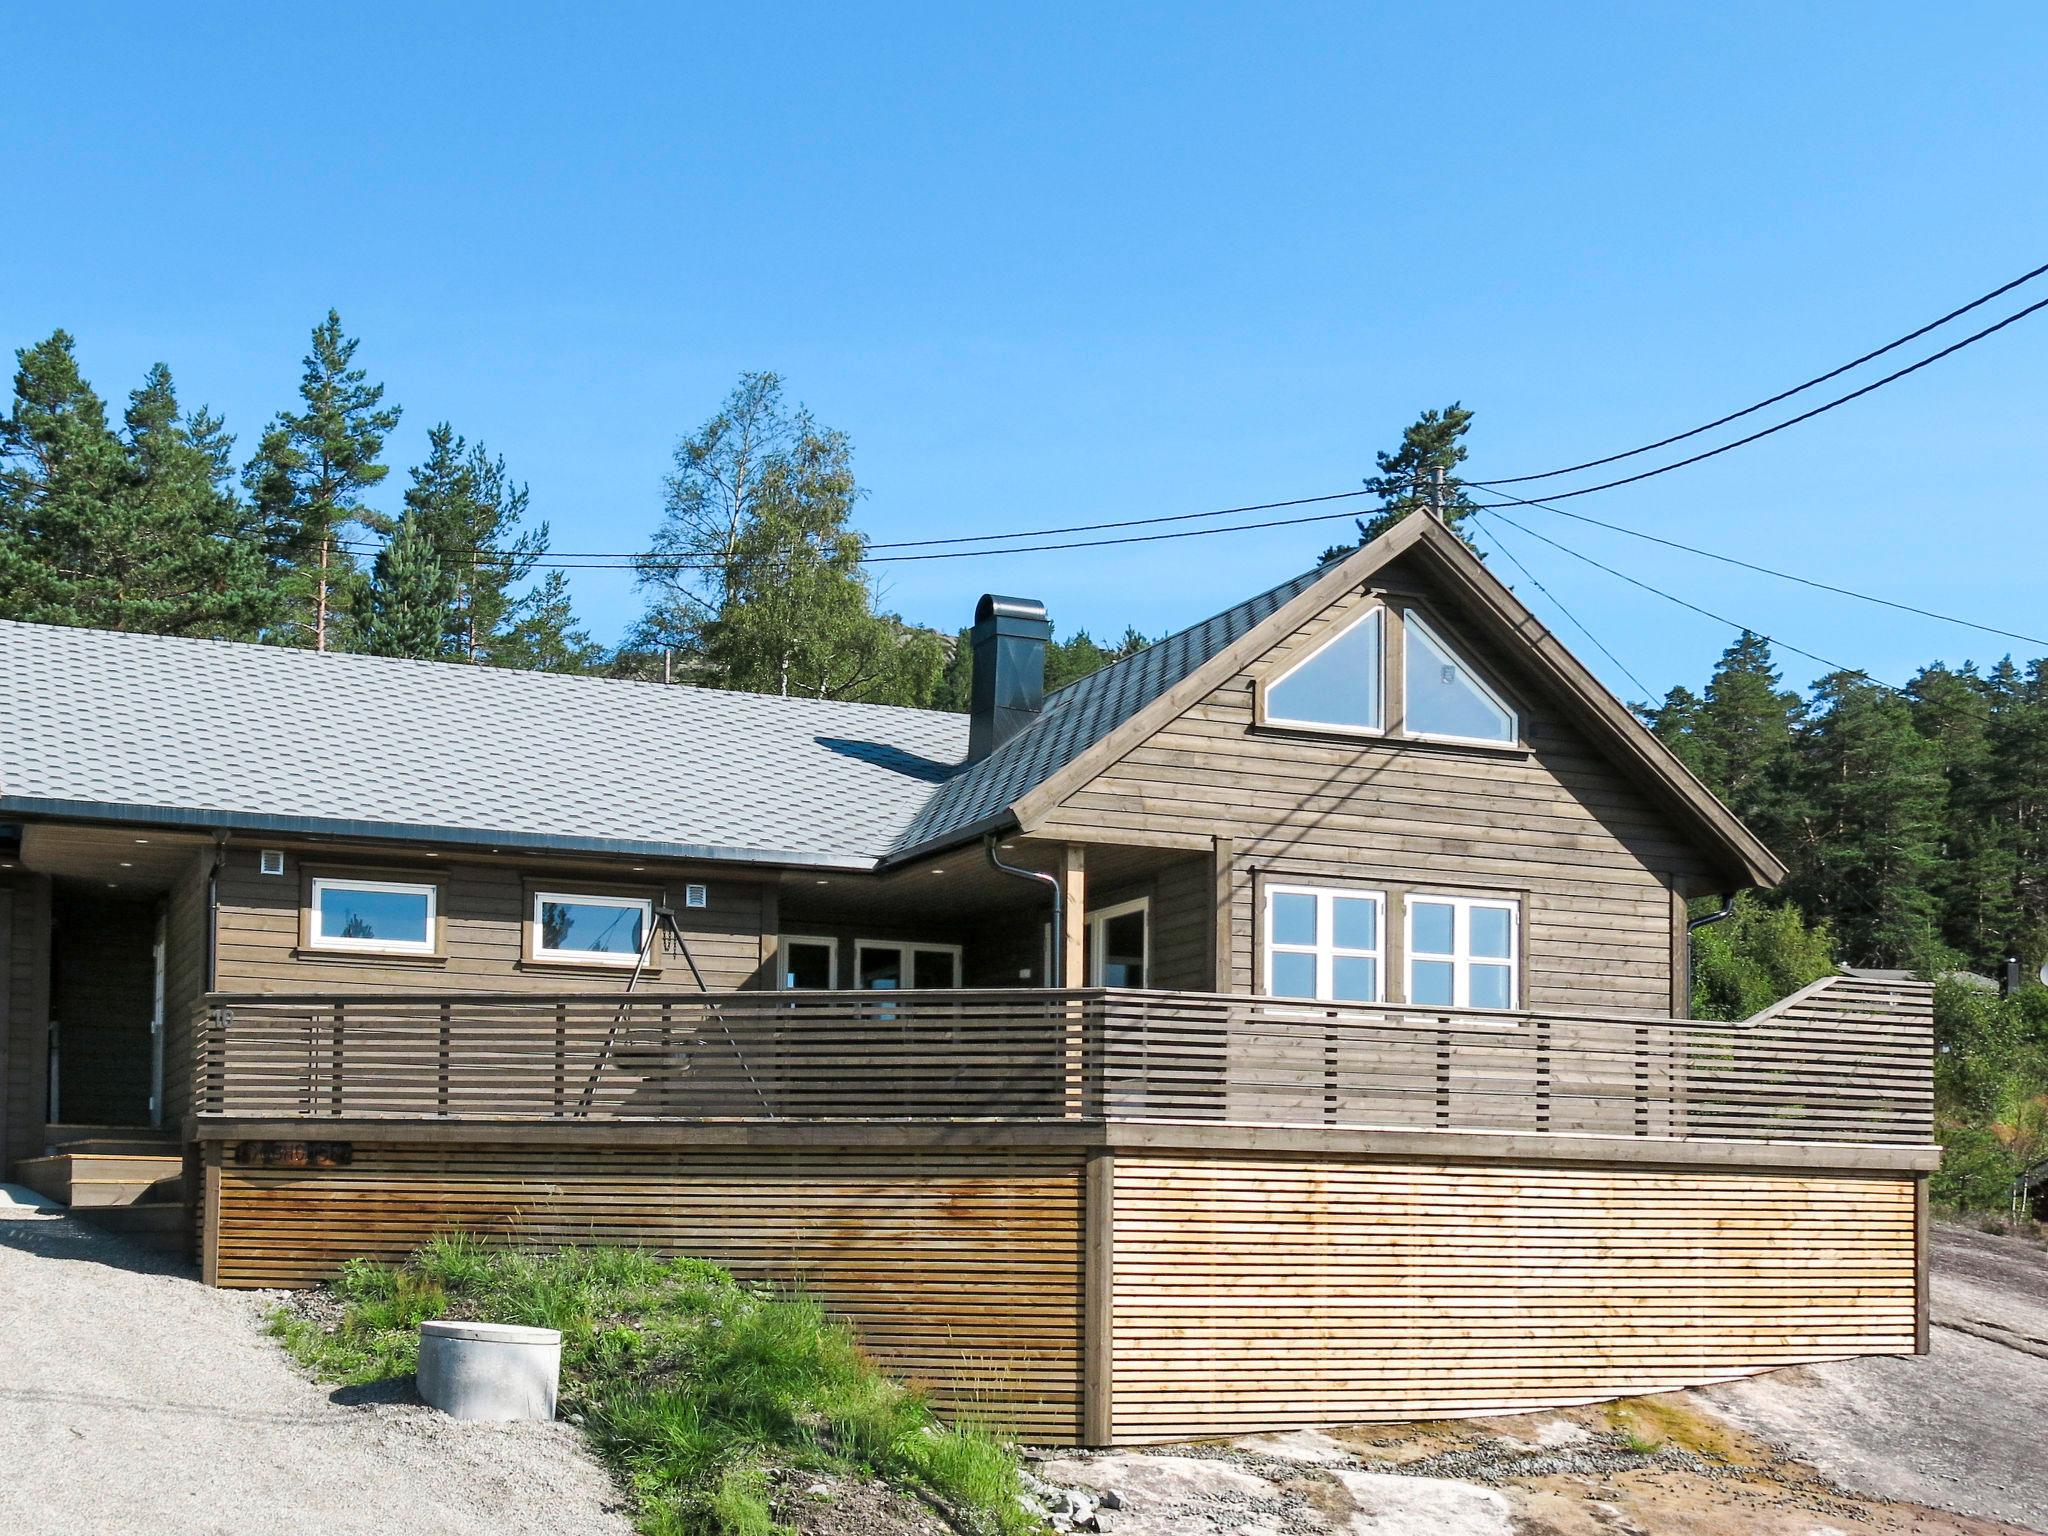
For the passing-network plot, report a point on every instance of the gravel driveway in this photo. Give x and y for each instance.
(133, 1399)
(1960, 1428)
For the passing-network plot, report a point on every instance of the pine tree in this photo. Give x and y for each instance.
(2013, 805)
(544, 635)
(1974, 882)
(404, 607)
(472, 513)
(132, 531)
(1408, 481)
(1865, 817)
(307, 480)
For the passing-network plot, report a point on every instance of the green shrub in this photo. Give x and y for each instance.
(688, 1383)
(1745, 963)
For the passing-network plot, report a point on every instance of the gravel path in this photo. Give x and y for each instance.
(1960, 1428)
(134, 1399)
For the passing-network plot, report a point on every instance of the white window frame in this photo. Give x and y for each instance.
(782, 943)
(1097, 930)
(1462, 959)
(1374, 615)
(321, 884)
(1410, 619)
(1325, 949)
(537, 946)
(908, 950)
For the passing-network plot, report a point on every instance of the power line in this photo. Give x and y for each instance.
(1557, 602)
(1718, 618)
(1766, 570)
(1783, 394)
(1791, 421)
(631, 562)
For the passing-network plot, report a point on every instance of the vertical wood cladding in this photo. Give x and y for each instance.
(1592, 859)
(185, 940)
(960, 1270)
(484, 916)
(1263, 1293)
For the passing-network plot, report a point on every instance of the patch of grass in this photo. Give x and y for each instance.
(689, 1383)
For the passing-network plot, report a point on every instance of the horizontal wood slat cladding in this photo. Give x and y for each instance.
(1265, 1293)
(483, 920)
(960, 1270)
(1592, 858)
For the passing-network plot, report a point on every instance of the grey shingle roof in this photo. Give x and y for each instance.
(263, 735)
(210, 733)
(1082, 713)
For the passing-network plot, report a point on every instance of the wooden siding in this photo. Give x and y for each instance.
(1594, 861)
(960, 1269)
(185, 944)
(483, 916)
(1268, 1292)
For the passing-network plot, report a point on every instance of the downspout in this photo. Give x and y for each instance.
(1054, 978)
(1727, 911)
(211, 972)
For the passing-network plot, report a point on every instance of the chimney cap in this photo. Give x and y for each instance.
(993, 606)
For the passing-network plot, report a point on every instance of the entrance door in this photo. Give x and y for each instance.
(103, 999)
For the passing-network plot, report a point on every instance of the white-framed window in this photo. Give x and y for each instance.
(1339, 686)
(590, 930)
(1120, 944)
(373, 916)
(808, 964)
(1443, 695)
(884, 965)
(1325, 942)
(1464, 952)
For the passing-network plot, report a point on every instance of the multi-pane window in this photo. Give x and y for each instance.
(1337, 685)
(381, 916)
(885, 966)
(1344, 685)
(1118, 944)
(1324, 942)
(1444, 696)
(809, 965)
(1462, 952)
(590, 930)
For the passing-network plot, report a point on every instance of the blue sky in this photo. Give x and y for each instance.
(1052, 265)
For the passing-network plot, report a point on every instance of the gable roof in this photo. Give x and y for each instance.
(1481, 598)
(216, 734)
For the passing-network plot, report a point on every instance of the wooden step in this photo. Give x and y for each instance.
(154, 1224)
(62, 1137)
(89, 1179)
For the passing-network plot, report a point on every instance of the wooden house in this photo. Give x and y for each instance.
(1285, 1025)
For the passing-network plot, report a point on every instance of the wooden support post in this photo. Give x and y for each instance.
(1923, 1241)
(1074, 900)
(771, 937)
(1098, 1301)
(1224, 869)
(1073, 874)
(209, 1217)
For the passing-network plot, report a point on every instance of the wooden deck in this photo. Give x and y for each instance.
(1105, 1216)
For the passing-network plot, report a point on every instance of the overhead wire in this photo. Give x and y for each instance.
(1784, 394)
(1719, 618)
(1558, 603)
(1791, 421)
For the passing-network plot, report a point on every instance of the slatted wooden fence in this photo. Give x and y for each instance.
(1846, 1061)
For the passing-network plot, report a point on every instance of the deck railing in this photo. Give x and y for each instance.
(1848, 1060)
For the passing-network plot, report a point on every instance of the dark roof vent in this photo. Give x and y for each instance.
(1009, 639)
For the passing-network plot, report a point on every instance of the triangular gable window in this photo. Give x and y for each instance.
(1337, 685)
(1444, 695)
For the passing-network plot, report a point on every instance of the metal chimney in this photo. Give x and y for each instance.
(1009, 640)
